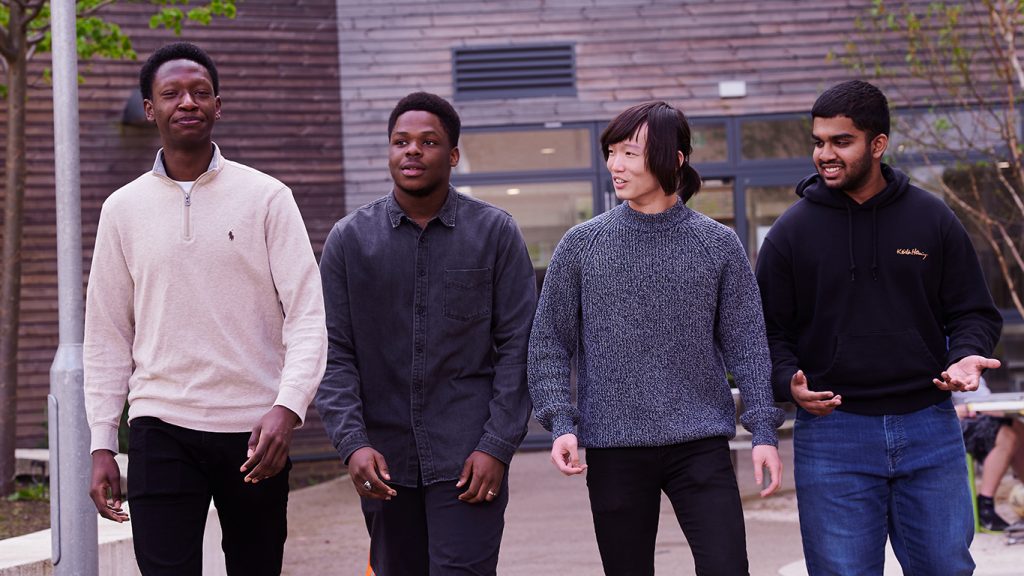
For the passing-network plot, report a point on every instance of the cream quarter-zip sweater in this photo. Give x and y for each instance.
(203, 309)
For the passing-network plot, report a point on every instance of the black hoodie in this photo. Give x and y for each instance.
(872, 300)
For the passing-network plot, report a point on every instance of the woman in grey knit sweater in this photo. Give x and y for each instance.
(655, 302)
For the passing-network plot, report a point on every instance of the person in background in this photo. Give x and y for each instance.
(997, 443)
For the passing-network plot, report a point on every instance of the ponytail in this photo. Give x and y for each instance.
(689, 181)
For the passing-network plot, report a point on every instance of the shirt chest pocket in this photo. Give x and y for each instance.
(467, 294)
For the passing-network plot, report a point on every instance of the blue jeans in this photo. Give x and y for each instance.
(862, 478)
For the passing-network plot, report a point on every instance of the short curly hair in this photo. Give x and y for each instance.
(175, 51)
(434, 104)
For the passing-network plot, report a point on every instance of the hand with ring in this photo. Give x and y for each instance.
(481, 478)
(369, 472)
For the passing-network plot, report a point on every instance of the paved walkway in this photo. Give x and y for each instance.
(549, 530)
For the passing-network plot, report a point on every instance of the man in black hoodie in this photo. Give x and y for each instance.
(876, 309)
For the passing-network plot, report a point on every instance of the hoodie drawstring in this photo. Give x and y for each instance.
(853, 265)
(874, 242)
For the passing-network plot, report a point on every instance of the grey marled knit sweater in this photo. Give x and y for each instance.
(656, 308)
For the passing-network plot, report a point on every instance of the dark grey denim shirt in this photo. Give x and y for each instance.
(427, 336)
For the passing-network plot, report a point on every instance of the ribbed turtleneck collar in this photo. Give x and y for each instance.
(674, 216)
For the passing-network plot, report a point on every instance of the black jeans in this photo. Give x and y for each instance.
(429, 531)
(172, 474)
(625, 487)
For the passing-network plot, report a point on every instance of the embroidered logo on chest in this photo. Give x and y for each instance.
(911, 252)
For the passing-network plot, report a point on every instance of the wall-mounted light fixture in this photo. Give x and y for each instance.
(732, 89)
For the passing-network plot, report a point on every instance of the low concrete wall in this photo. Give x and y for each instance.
(29, 555)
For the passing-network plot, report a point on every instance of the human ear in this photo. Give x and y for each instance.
(879, 144)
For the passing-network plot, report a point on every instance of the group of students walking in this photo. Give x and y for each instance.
(424, 345)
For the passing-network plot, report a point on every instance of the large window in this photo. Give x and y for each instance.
(531, 150)
(716, 199)
(775, 138)
(552, 177)
(543, 210)
(549, 178)
(710, 141)
(763, 205)
(750, 166)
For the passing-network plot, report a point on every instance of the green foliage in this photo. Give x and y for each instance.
(99, 38)
(174, 14)
(37, 491)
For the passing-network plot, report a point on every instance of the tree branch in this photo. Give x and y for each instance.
(96, 8)
(6, 47)
(37, 36)
(31, 11)
(1007, 31)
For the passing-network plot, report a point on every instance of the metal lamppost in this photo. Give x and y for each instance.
(72, 515)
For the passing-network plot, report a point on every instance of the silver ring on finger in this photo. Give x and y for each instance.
(492, 493)
(367, 486)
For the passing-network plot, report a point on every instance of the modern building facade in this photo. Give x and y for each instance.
(308, 87)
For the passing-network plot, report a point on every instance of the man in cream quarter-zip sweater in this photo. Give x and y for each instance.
(205, 313)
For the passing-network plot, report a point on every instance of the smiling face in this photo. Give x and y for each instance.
(846, 159)
(420, 155)
(632, 178)
(184, 106)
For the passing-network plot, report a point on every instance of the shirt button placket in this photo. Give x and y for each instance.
(419, 359)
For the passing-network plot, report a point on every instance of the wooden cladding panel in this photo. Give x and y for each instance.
(627, 51)
(278, 65)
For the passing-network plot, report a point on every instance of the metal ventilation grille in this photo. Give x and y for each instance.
(514, 71)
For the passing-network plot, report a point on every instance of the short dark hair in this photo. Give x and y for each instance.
(434, 104)
(668, 133)
(175, 51)
(859, 101)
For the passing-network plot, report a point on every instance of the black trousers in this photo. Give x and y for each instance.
(625, 487)
(173, 473)
(429, 531)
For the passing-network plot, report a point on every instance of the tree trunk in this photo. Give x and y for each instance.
(10, 284)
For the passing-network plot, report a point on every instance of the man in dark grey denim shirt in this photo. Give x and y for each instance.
(430, 296)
